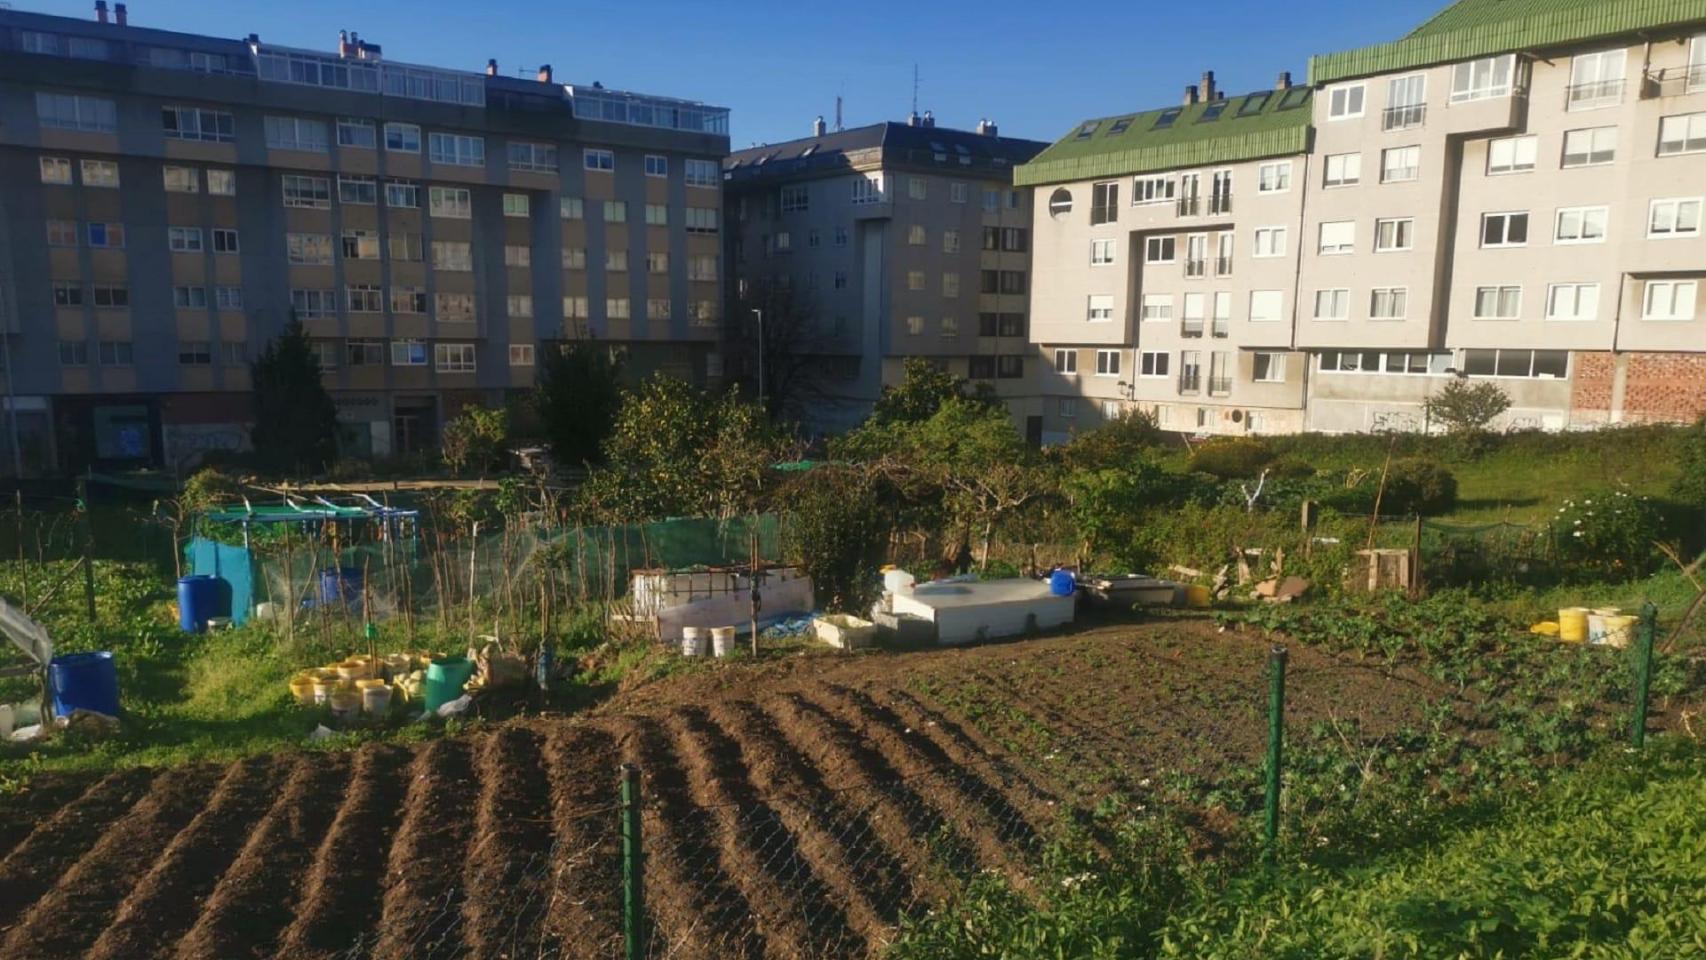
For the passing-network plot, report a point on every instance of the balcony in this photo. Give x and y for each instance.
(1590, 96)
(1219, 204)
(1190, 381)
(1674, 81)
(1191, 328)
(1404, 116)
(1195, 267)
(1223, 266)
(1190, 206)
(1219, 386)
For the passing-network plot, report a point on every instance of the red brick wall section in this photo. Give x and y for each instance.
(1590, 392)
(1665, 387)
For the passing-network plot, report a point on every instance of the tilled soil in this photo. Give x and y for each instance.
(791, 808)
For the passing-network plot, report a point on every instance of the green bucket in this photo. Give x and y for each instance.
(445, 678)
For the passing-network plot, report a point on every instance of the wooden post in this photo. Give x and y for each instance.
(1416, 561)
(88, 548)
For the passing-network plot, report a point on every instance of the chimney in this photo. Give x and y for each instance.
(1284, 81)
(819, 128)
(101, 11)
(545, 73)
(119, 16)
(491, 68)
(1190, 94)
(987, 128)
(912, 119)
(929, 119)
(343, 43)
(1209, 94)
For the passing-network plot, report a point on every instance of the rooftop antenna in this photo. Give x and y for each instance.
(838, 113)
(915, 88)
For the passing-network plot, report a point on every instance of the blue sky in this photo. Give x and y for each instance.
(777, 64)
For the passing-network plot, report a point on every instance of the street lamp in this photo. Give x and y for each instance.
(756, 312)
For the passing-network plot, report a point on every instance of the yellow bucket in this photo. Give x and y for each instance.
(1620, 631)
(302, 688)
(1197, 595)
(1573, 624)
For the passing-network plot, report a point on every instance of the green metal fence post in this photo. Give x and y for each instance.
(1276, 737)
(633, 867)
(1643, 672)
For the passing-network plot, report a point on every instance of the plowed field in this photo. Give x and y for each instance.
(792, 808)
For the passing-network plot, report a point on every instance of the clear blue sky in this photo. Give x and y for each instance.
(1034, 67)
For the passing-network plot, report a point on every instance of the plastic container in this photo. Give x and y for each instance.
(324, 687)
(339, 585)
(445, 678)
(8, 719)
(1573, 624)
(722, 640)
(1063, 583)
(1596, 623)
(376, 700)
(898, 581)
(845, 631)
(1197, 596)
(198, 602)
(1620, 631)
(352, 670)
(84, 681)
(346, 705)
(693, 642)
(302, 688)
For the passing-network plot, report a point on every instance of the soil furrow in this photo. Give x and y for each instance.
(81, 903)
(257, 897)
(586, 894)
(966, 744)
(340, 897)
(30, 870)
(699, 909)
(508, 875)
(164, 904)
(46, 794)
(422, 913)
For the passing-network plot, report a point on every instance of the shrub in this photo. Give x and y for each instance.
(836, 533)
(476, 439)
(1463, 407)
(1291, 468)
(1609, 533)
(1418, 486)
(1126, 438)
(1234, 458)
(1690, 486)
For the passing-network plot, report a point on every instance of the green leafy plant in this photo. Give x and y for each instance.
(837, 530)
(1608, 533)
(476, 439)
(1465, 408)
(1231, 458)
(923, 391)
(1415, 485)
(576, 400)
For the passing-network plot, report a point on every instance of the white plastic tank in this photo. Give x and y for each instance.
(898, 581)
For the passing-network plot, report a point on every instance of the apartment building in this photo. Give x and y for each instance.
(172, 200)
(1166, 259)
(895, 240)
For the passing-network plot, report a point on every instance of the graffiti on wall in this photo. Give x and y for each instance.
(187, 444)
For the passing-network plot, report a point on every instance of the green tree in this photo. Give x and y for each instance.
(1120, 441)
(576, 399)
(923, 391)
(476, 439)
(1465, 408)
(296, 421)
(836, 531)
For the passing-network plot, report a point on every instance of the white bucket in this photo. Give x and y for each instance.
(1596, 626)
(692, 642)
(376, 700)
(722, 640)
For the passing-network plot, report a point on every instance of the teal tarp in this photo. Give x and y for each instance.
(231, 564)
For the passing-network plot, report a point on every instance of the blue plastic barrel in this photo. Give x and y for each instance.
(340, 585)
(1062, 583)
(87, 681)
(198, 599)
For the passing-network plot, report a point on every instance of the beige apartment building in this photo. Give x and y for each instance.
(1512, 195)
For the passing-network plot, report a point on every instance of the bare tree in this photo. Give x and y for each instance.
(781, 328)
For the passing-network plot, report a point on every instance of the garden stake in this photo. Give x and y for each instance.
(1276, 734)
(88, 548)
(633, 866)
(1643, 672)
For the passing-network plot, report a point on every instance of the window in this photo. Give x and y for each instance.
(616, 261)
(519, 305)
(1193, 314)
(517, 205)
(177, 179)
(915, 236)
(1009, 367)
(521, 355)
(616, 308)
(453, 202)
(453, 307)
(57, 170)
(64, 111)
(1190, 372)
(915, 280)
(358, 190)
(408, 353)
(1670, 300)
(1066, 362)
(657, 262)
(915, 326)
(1267, 367)
(364, 353)
(950, 328)
(1498, 303)
(1343, 170)
(1483, 78)
(1270, 242)
(112, 297)
(73, 353)
(1338, 236)
(1590, 147)
(1153, 364)
(1108, 363)
(795, 198)
(867, 190)
(1572, 301)
(404, 247)
(403, 137)
(1393, 235)
(574, 258)
(1274, 177)
(1333, 304)
(1147, 190)
(532, 157)
(1406, 102)
(1537, 364)
(1012, 281)
(702, 173)
(917, 188)
(183, 239)
(1157, 307)
(1668, 219)
(1596, 79)
(194, 123)
(957, 193)
(1068, 407)
(456, 150)
(1266, 305)
(408, 300)
(100, 173)
(364, 298)
(402, 194)
(103, 235)
(116, 353)
(1104, 202)
(1101, 307)
(233, 353)
(841, 236)
(308, 304)
(356, 133)
(222, 183)
(62, 233)
(1101, 253)
(950, 241)
(598, 160)
(1580, 225)
(1388, 303)
(453, 357)
(1511, 154)
(1504, 229)
(296, 133)
(1400, 164)
(195, 353)
(615, 211)
(450, 255)
(308, 192)
(67, 293)
(361, 245)
(576, 308)
(703, 268)
(1160, 249)
(701, 219)
(225, 240)
(571, 208)
(308, 248)
(950, 285)
(1346, 103)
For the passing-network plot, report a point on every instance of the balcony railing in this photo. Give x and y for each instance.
(1404, 116)
(1599, 93)
(1219, 203)
(1190, 382)
(1189, 206)
(1223, 266)
(1219, 386)
(1196, 268)
(1674, 81)
(1190, 328)
(1222, 328)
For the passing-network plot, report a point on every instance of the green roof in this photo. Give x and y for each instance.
(1266, 123)
(1480, 28)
